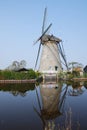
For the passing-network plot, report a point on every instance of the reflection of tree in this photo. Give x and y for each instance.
(76, 89)
(16, 93)
(17, 89)
(52, 96)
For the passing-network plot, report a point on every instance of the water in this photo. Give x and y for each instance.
(36, 107)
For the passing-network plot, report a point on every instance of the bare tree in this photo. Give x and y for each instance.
(73, 65)
(22, 64)
(17, 65)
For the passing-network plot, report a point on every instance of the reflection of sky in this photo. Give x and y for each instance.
(16, 112)
(78, 107)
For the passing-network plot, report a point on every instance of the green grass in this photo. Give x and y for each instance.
(8, 75)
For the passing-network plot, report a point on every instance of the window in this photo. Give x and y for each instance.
(56, 68)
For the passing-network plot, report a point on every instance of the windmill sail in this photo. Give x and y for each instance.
(40, 38)
(44, 20)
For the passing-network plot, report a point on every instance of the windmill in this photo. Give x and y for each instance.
(52, 51)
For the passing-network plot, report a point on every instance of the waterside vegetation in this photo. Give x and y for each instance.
(75, 71)
(13, 75)
(71, 75)
(31, 74)
(17, 71)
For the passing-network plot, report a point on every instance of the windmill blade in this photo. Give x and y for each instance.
(43, 34)
(37, 55)
(44, 20)
(63, 55)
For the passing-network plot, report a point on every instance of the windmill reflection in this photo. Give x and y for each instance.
(50, 94)
(50, 103)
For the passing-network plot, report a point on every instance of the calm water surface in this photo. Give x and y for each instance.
(35, 107)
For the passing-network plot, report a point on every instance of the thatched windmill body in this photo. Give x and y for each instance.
(50, 61)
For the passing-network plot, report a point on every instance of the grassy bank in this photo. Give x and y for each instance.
(12, 75)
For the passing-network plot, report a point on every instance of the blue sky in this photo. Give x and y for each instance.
(21, 23)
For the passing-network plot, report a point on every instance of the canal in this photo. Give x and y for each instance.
(44, 106)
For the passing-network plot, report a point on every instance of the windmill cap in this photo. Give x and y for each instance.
(46, 38)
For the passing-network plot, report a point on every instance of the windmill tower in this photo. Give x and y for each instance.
(50, 61)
